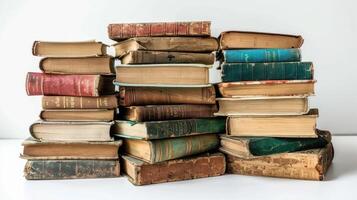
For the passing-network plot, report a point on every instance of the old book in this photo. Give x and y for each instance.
(78, 65)
(74, 131)
(154, 151)
(136, 96)
(250, 147)
(166, 112)
(250, 40)
(167, 129)
(77, 115)
(69, 49)
(267, 88)
(68, 85)
(163, 57)
(71, 169)
(261, 55)
(72, 102)
(298, 126)
(34, 149)
(129, 30)
(177, 44)
(233, 72)
(200, 166)
(279, 105)
(310, 164)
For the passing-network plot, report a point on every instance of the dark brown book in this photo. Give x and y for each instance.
(201, 166)
(78, 115)
(72, 102)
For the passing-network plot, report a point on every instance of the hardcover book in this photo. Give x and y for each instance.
(77, 115)
(261, 55)
(72, 102)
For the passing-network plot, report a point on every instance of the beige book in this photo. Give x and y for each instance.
(77, 115)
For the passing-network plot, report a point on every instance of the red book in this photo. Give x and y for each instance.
(68, 85)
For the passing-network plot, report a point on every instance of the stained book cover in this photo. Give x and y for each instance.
(260, 55)
(73, 102)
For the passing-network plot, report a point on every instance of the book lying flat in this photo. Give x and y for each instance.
(260, 55)
(73, 102)
(78, 115)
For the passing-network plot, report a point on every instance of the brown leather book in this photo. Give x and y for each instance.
(72, 102)
(166, 112)
(137, 96)
(78, 115)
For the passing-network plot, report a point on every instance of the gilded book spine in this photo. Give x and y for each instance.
(72, 102)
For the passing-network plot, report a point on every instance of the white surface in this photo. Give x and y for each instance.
(328, 26)
(340, 184)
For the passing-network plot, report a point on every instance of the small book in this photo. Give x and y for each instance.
(296, 126)
(71, 131)
(167, 129)
(260, 55)
(72, 102)
(47, 150)
(251, 147)
(71, 169)
(258, 40)
(309, 164)
(166, 112)
(78, 65)
(154, 151)
(77, 115)
(278, 105)
(267, 88)
(200, 166)
(176, 44)
(69, 49)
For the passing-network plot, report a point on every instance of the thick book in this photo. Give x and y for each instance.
(71, 131)
(250, 147)
(166, 112)
(137, 96)
(267, 88)
(69, 85)
(232, 72)
(72, 102)
(163, 57)
(200, 166)
(296, 126)
(154, 151)
(122, 31)
(78, 115)
(261, 55)
(309, 164)
(71, 169)
(176, 44)
(46, 150)
(168, 129)
(277, 105)
(169, 75)
(258, 40)
(69, 49)
(78, 65)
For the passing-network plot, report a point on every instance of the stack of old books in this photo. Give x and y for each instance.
(72, 139)
(270, 129)
(166, 103)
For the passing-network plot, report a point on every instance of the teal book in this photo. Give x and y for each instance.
(233, 72)
(261, 55)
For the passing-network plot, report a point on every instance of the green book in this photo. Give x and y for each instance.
(168, 129)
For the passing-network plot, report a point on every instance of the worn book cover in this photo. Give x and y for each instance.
(59, 115)
(73, 102)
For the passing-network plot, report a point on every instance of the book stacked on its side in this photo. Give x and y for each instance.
(264, 92)
(72, 139)
(166, 101)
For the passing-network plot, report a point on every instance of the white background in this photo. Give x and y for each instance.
(328, 27)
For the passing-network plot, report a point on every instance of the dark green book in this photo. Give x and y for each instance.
(232, 72)
(248, 147)
(168, 129)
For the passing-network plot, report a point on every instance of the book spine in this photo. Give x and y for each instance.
(232, 72)
(123, 31)
(71, 169)
(72, 102)
(261, 55)
(66, 85)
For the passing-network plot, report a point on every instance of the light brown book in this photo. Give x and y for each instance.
(85, 65)
(78, 115)
(201, 166)
(310, 164)
(177, 44)
(267, 88)
(298, 126)
(68, 49)
(72, 102)
(242, 39)
(70, 150)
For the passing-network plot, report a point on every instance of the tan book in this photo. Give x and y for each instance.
(78, 115)
(72, 102)
(298, 126)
